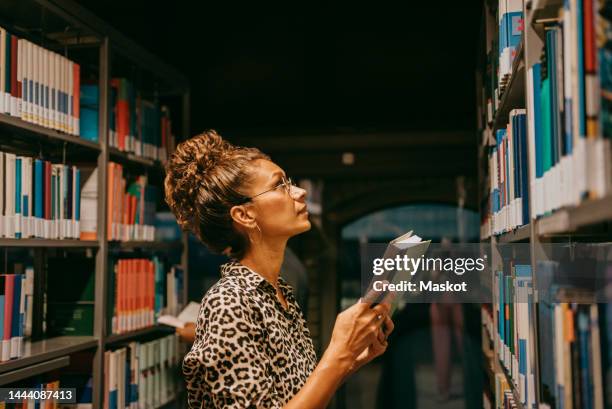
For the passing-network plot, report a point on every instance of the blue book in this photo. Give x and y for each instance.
(584, 342)
(89, 112)
(524, 167)
(537, 118)
(39, 197)
(16, 321)
(551, 37)
(77, 197)
(580, 98)
(18, 197)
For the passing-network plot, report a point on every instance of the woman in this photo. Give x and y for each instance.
(252, 346)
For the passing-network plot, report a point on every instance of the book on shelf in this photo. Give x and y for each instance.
(38, 85)
(510, 14)
(513, 304)
(508, 177)
(16, 306)
(141, 291)
(89, 107)
(131, 207)
(573, 338)
(138, 125)
(38, 199)
(142, 374)
(568, 90)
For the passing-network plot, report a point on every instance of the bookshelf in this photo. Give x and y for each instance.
(67, 28)
(586, 218)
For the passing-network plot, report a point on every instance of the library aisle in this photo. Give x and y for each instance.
(161, 168)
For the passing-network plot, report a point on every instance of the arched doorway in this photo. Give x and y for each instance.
(405, 377)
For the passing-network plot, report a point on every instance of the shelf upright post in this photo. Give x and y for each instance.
(186, 128)
(100, 319)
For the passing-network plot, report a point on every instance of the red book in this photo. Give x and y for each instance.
(589, 37)
(76, 92)
(9, 285)
(151, 286)
(14, 91)
(119, 300)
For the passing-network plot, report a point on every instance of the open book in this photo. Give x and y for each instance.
(189, 314)
(409, 245)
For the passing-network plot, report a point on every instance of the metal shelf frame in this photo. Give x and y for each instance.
(54, 353)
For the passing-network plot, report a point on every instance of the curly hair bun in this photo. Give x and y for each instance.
(204, 177)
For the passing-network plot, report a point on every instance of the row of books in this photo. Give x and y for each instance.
(16, 306)
(30, 402)
(131, 207)
(38, 85)
(82, 385)
(38, 198)
(142, 375)
(576, 339)
(510, 15)
(513, 307)
(142, 290)
(138, 125)
(504, 398)
(570, 118)
(509, 178)
(503, 41)
(572, 373)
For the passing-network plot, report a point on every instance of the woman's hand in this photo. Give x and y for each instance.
(357, 337)
(375, 349)
(187, 333)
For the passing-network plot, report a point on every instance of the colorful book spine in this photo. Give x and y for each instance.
(38, 85)
(142, 375)
(508, 169)
(39, 199)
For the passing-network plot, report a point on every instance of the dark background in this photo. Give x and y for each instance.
(299, 69)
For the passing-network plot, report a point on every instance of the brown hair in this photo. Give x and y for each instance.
(204, 179)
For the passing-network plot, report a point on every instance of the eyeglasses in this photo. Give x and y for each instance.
(286, 183)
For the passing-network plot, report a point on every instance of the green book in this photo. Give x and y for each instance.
(546, 125)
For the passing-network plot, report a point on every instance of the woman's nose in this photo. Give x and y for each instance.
(297, 193)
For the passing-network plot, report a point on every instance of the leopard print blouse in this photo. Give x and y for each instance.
(249, 352)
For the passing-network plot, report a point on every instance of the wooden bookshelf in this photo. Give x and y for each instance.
(66, 25)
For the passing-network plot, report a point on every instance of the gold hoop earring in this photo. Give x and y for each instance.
(260, 234)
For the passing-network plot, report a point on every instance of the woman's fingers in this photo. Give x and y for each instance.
(389, 326)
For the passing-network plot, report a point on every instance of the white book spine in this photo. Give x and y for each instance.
(22, 75)
(2, 69)
(45, 64)
(70, 91)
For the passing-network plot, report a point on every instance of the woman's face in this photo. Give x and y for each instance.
(277, 213)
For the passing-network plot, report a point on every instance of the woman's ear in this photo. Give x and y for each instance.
(243, 216)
